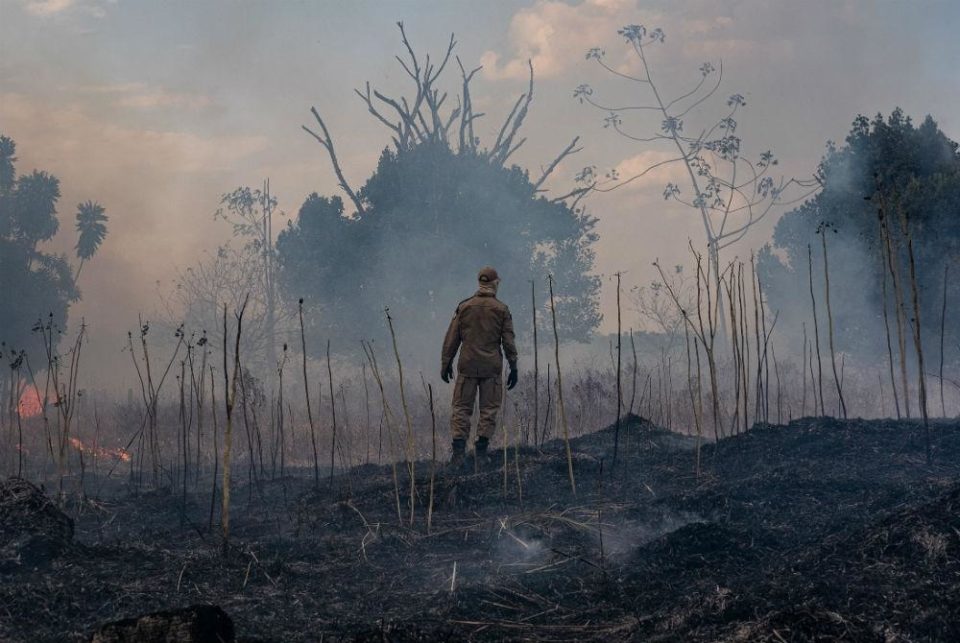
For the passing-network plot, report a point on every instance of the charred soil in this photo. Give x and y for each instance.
(817, 530)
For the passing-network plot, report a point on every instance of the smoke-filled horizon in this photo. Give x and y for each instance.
(155, 111)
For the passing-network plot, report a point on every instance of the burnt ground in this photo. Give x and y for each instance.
(818, 530)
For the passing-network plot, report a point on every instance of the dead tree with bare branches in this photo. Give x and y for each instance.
(425, 117)
(730, 192)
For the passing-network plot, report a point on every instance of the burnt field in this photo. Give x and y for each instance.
(819, 530)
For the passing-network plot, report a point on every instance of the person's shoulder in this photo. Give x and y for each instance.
(464, 302)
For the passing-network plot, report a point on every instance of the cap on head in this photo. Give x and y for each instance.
(488, 275)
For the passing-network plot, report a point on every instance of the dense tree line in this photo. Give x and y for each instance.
(887, 171)
(38, 286)
(432, 217)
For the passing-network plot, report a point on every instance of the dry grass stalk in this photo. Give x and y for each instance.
(546, 416)
(216, 447)
(306, 396)
(345, 445)
(387, 416)
(826, 288)
(705, 329)
(943, 321)
(333, 414)
(563, 413)
(182, 443)
(411, 453)
(776, 370)
(757, 331)
(366, 402)
(150, 392)
(766, 346)
(732, 298)
(619, 398)
(816, 333)
(504, 433)
(433, 456)
(803, 372)
(886, 326)
(516, 460)
(918, 344)
(694, 401)
(633, 386)
(281, 417)
(230, 387)
(894, 268)
(536, 361)
(745, 346)
(199, 393)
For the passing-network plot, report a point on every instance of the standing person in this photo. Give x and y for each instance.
(482, 329)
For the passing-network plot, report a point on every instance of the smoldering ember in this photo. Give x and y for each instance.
(534, 320)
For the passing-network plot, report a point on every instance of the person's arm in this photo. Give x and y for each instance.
(508, 341)
(451, 343)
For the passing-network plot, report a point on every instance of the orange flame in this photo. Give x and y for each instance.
(120, 454)
(30, 403)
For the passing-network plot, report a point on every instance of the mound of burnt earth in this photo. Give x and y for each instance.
(818, 530)
(194, 624)
(897, 579)
(33, 530)
(900, 574)
(697, 545)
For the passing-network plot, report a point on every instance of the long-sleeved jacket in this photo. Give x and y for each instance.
(480, 327)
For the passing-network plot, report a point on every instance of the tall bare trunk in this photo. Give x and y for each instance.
(833, 355)
(943, 321)
(803, 372)
(886, 326)
(411, 455)
(633, 386)
(230, 396)
(917, 341)
(216, 447)
(306, 395)
(333, 414)
(619, 400)
(433, 456)
(563, 413)
(745, 347)
(693, 397)
(536, 361)
(893, 265)
(816, 330)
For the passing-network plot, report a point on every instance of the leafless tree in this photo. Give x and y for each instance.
(429, 116)
(704, 324)
(652, 303)
(251, 213)
(729, 191)
(225, 277)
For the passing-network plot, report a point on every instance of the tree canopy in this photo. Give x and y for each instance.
(37, 284)
(916, 171)
(438, 207)
(432, 217)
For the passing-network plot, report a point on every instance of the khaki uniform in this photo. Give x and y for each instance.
(482, 329)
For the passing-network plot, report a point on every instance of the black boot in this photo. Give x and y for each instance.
(480, 450)
(458, 455)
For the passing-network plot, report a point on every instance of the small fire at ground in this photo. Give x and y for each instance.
(100, 452)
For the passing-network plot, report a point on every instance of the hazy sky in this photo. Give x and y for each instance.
(156, 108)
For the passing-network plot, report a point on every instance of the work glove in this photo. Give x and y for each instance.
(512, 378)
(447, 373)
